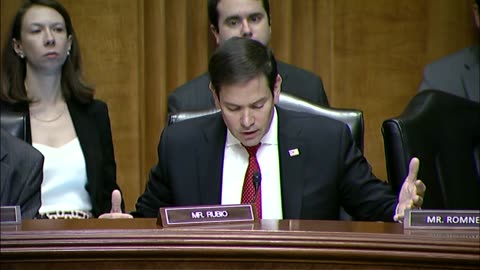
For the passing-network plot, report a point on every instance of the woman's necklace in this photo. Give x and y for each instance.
(54, 118)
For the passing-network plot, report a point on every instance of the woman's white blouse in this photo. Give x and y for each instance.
(64, 178)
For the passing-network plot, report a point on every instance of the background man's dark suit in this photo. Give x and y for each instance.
(329, 171)
(457, 74)
(92, 125)
(21, 175)
(195, 94)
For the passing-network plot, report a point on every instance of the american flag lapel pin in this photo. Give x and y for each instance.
(293, 152)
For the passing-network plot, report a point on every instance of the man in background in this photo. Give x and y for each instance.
(251, 19)
(457, 73)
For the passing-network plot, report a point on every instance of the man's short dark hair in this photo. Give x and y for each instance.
(240, 60)
(213, 11)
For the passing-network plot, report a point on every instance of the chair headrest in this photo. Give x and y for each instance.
(15, 123)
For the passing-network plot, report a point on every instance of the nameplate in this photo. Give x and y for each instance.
(10, 215)
(442, 219)
(206, 214)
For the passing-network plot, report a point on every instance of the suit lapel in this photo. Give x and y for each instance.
(470, 78)
(5, 186)
(209, 154)
(292, 157)
(83, 127)
(471, 83)
(5, 172)
(3, 152)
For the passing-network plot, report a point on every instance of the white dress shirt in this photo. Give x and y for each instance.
(235, 165)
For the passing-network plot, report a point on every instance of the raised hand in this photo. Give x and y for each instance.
(412, 192)
(116, 211)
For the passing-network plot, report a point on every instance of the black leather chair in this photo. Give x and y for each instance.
(443, 131)
(16, 123)
(353, 118)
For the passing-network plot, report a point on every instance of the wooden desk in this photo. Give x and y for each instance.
(270, 244)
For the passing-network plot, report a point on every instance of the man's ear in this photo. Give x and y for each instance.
(215, 33)
(215, 96)
(277, 87)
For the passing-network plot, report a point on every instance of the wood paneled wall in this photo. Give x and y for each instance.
(370, 55)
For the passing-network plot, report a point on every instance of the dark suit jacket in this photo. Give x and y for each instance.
(92, 125)
(196, 95)
(457, 74)
(21, 175)
(329, 172)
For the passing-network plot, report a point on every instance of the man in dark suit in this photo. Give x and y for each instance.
(457, 73)
(245, 18)
(309, 164)
(21, 175)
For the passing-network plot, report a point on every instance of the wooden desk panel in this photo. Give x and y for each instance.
(272, 244)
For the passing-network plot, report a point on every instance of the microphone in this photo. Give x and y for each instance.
(256, 179)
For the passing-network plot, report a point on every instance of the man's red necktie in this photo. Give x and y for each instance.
(248, 193)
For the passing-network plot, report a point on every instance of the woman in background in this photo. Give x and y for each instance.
(41, 74)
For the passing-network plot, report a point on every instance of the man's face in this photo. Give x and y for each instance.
(242, 18)
(247, 108)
